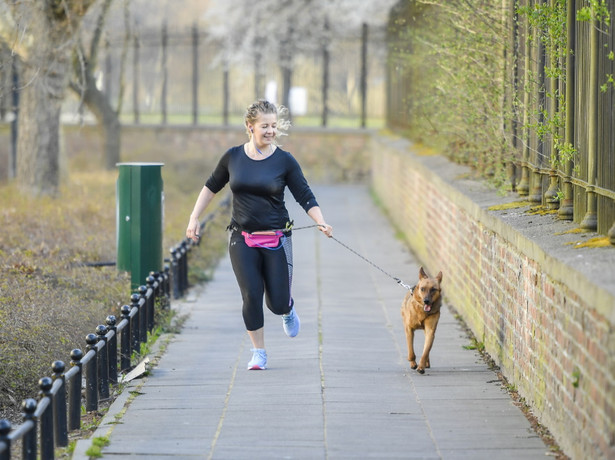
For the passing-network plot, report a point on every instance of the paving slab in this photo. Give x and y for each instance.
(342, 388)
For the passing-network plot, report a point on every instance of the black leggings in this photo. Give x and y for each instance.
(262, 271)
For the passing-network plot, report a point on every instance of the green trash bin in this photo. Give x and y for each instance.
(140, 220)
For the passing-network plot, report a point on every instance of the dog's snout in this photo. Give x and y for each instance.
(427, 300)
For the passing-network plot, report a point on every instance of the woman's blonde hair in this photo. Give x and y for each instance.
(263, 107)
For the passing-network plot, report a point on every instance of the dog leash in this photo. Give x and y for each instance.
(398, 280)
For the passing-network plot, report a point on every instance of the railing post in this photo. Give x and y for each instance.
(175, 272)
(181, 249)
(74, 389)
(59, 405)
(46, 420)
(152, 284)
(523, 187)
(590, 220)
(160, 289)
(103, 363)
(29, 440)
(167, 283)
(180, 270)
(135, 322)
(566, 209)
(156, 282)
(141, 303)
(184, 266)
(112, 349)
(144, 311)
(126, 339)
(5, 429)
(91, 375)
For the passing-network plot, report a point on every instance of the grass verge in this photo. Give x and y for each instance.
(49, 298)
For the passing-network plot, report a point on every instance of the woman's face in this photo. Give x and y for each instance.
(264, 128)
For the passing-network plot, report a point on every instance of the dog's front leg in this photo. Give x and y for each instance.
(424, 361)
(410, 340)
(430, 334)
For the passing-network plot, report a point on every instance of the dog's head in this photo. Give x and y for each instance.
(427, 292)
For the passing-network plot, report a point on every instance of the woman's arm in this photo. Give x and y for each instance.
(201, 204)
(316, 214)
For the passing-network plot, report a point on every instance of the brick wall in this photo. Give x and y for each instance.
(544, 323)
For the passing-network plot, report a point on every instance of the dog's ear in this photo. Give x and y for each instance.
(439, 277)
(422, 274)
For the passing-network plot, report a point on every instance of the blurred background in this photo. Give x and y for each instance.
(200, 61)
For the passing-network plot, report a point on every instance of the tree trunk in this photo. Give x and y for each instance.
(112, 132)
(44, 41)
(44, 79)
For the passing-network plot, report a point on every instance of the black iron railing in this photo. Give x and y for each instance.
(48, 419)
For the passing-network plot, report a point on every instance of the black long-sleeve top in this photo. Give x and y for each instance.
(258, 187)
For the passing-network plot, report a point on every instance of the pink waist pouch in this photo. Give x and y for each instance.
(268, 240)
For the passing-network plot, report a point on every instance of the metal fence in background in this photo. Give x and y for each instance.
(587, 183)
(175, 76)
(582, 189)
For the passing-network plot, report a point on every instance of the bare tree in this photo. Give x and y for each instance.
(84, 85)
(42, 33)
(6, 70)
(250, 30)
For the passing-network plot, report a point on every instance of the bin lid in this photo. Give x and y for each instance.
(139, 164)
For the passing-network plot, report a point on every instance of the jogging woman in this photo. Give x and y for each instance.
(260, 245)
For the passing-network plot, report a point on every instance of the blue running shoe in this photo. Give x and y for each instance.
(259, 360)
(291, 323)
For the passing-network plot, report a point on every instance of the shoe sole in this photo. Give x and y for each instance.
(256, 368)
(291, 334)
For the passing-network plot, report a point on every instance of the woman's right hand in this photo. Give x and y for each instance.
(194, 226)
(192, 231)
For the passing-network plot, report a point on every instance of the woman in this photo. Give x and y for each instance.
(258, 173)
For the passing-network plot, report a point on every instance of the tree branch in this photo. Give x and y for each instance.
(100, 24)
(16, 37)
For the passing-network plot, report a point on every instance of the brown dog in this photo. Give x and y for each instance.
(421, 310)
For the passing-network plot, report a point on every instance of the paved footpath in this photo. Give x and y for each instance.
(341, 389)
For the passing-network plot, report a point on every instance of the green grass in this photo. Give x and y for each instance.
(237, 120)
(98, 444)
(475, 345)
